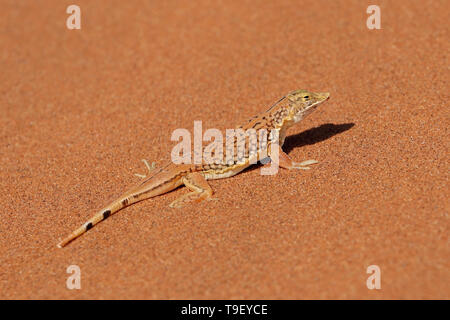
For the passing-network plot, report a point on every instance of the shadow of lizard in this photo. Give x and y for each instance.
(310, 137)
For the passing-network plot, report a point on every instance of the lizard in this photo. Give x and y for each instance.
(282, 115)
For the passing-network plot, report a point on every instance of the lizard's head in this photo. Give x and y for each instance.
(303, 102)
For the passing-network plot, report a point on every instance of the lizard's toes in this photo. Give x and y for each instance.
(303, 165)
(176, 204)
(149, 169)
(300, 167)
(307, 162)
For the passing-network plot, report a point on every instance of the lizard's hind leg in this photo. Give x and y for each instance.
(200, 190)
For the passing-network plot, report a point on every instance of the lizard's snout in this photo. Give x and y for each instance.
(323, 96)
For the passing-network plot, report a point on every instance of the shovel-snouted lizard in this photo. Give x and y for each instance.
(282, 115)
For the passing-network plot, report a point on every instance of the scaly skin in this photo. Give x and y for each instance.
(281, 116)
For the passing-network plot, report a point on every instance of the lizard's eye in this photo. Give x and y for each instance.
(306, 97)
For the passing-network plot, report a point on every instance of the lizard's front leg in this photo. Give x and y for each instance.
(200, 190)
(284, 161)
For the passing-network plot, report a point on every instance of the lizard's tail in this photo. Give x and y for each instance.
(161, 182)
(99, 216)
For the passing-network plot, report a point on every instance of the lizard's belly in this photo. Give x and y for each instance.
(225, 173)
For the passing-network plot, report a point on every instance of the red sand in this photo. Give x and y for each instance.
(79, 109)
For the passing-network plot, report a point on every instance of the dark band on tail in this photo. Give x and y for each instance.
(106, 214)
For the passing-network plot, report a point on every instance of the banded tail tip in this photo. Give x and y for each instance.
(87, 226)
(62, 244)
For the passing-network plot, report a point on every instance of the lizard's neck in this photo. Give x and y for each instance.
(283, 130)
(283, 120)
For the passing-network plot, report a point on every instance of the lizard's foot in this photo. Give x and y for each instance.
(303, 165)
(149, 168)
(285, 162)
(190, 197)
(200, 190)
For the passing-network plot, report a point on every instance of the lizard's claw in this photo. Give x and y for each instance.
(303, 165)
(149, 167)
